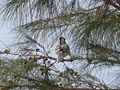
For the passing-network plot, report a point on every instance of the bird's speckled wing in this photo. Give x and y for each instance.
(66, 50)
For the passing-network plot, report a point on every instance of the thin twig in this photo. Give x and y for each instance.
(38, 57)
(63, 16)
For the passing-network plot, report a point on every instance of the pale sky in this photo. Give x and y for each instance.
(6, 37)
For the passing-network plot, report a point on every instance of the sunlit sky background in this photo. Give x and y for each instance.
(5, 28)
(6, 37)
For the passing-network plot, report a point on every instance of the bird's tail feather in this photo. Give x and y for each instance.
(60, 56)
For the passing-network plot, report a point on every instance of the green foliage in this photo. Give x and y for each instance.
(92, 33)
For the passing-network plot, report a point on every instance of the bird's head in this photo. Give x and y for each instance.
(62, 40)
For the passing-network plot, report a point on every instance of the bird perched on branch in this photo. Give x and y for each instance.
(62, 50)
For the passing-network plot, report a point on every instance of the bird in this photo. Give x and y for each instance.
(62, 50)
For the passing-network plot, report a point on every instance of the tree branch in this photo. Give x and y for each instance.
(58, 17)
(38, 57)
(30, 79)
(114, 4)
(118, 1)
